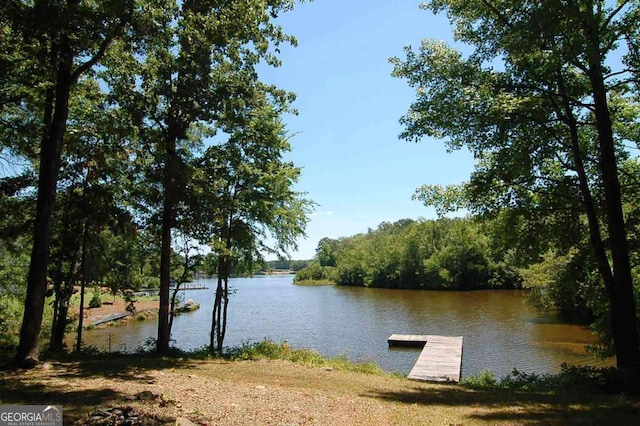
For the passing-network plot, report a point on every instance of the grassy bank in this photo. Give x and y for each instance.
(298, 388)
(313, 282)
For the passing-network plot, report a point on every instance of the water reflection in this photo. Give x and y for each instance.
(500, 330)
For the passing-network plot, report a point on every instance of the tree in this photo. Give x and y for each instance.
(250, 200)
(58, 42)
(203, 54)
(91, 199)
(536, 103)
(326, 252)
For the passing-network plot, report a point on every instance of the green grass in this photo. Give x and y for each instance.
(311, 283)
(108, 297)
(268, 349)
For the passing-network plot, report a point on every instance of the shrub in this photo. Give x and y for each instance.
(315, 273)
(570, 378)
(268, 349)
(484, 380)
(10, 316)
(95, 301)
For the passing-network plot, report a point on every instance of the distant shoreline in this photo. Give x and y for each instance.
(276, 272)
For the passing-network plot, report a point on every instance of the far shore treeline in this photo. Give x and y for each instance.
(445, 254)
(503, 251)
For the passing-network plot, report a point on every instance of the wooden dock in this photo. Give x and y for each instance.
(440, 359)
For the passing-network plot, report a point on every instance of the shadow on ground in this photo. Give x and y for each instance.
(14, 390)
(122, 367)
(32, 388)
(522, 407)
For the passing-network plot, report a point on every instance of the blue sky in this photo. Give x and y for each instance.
(353, 163)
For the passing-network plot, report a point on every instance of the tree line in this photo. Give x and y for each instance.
(545, 97)
(546, 100)
(133, 132)
(447, 254)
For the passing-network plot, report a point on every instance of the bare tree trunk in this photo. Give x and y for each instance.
(165, 249)
(622, 310)
(215, 317)
(57, 292)
(58, 332)
(84, 267)
(165, 279)
(183, 279)
(56, 113)
(224, 312)
(172, 306)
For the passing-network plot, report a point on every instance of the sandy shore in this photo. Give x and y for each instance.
(111, 307)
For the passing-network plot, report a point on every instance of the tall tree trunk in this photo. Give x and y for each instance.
(58, 333)
(223, 331)
(56, 114)
(595, 231)
(165, 278)
(183, 279)
(621, 296)
(83, 285)
(215, 319)
(65, 292)
(172, 306)
(222, 292)
(57, 291)
(165, 249)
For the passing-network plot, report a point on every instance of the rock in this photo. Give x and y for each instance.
(146, 395)
(261, 388)
(183, 421)
(121, 416)
(28, 363)
(103, 413)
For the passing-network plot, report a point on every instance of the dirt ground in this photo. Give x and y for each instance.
(109, 307)
(160, 391)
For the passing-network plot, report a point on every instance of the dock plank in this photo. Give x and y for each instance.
(417, 340)
(440, 359)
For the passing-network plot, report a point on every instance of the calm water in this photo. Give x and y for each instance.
(500, 330)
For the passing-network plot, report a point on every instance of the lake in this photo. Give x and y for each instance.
(501, 331)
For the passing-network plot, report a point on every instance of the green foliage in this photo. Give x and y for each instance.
(570, 379)
(14, 266)
(546, 99)
(556, 283)
(484, 380)
(463, 262)
(285, 264)
(119, 260)
(442, 254)
(267, 349)
(96, 299)
(327, 251)
(447, 199)
(10, 320)
(146, 83)
(315, 273)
